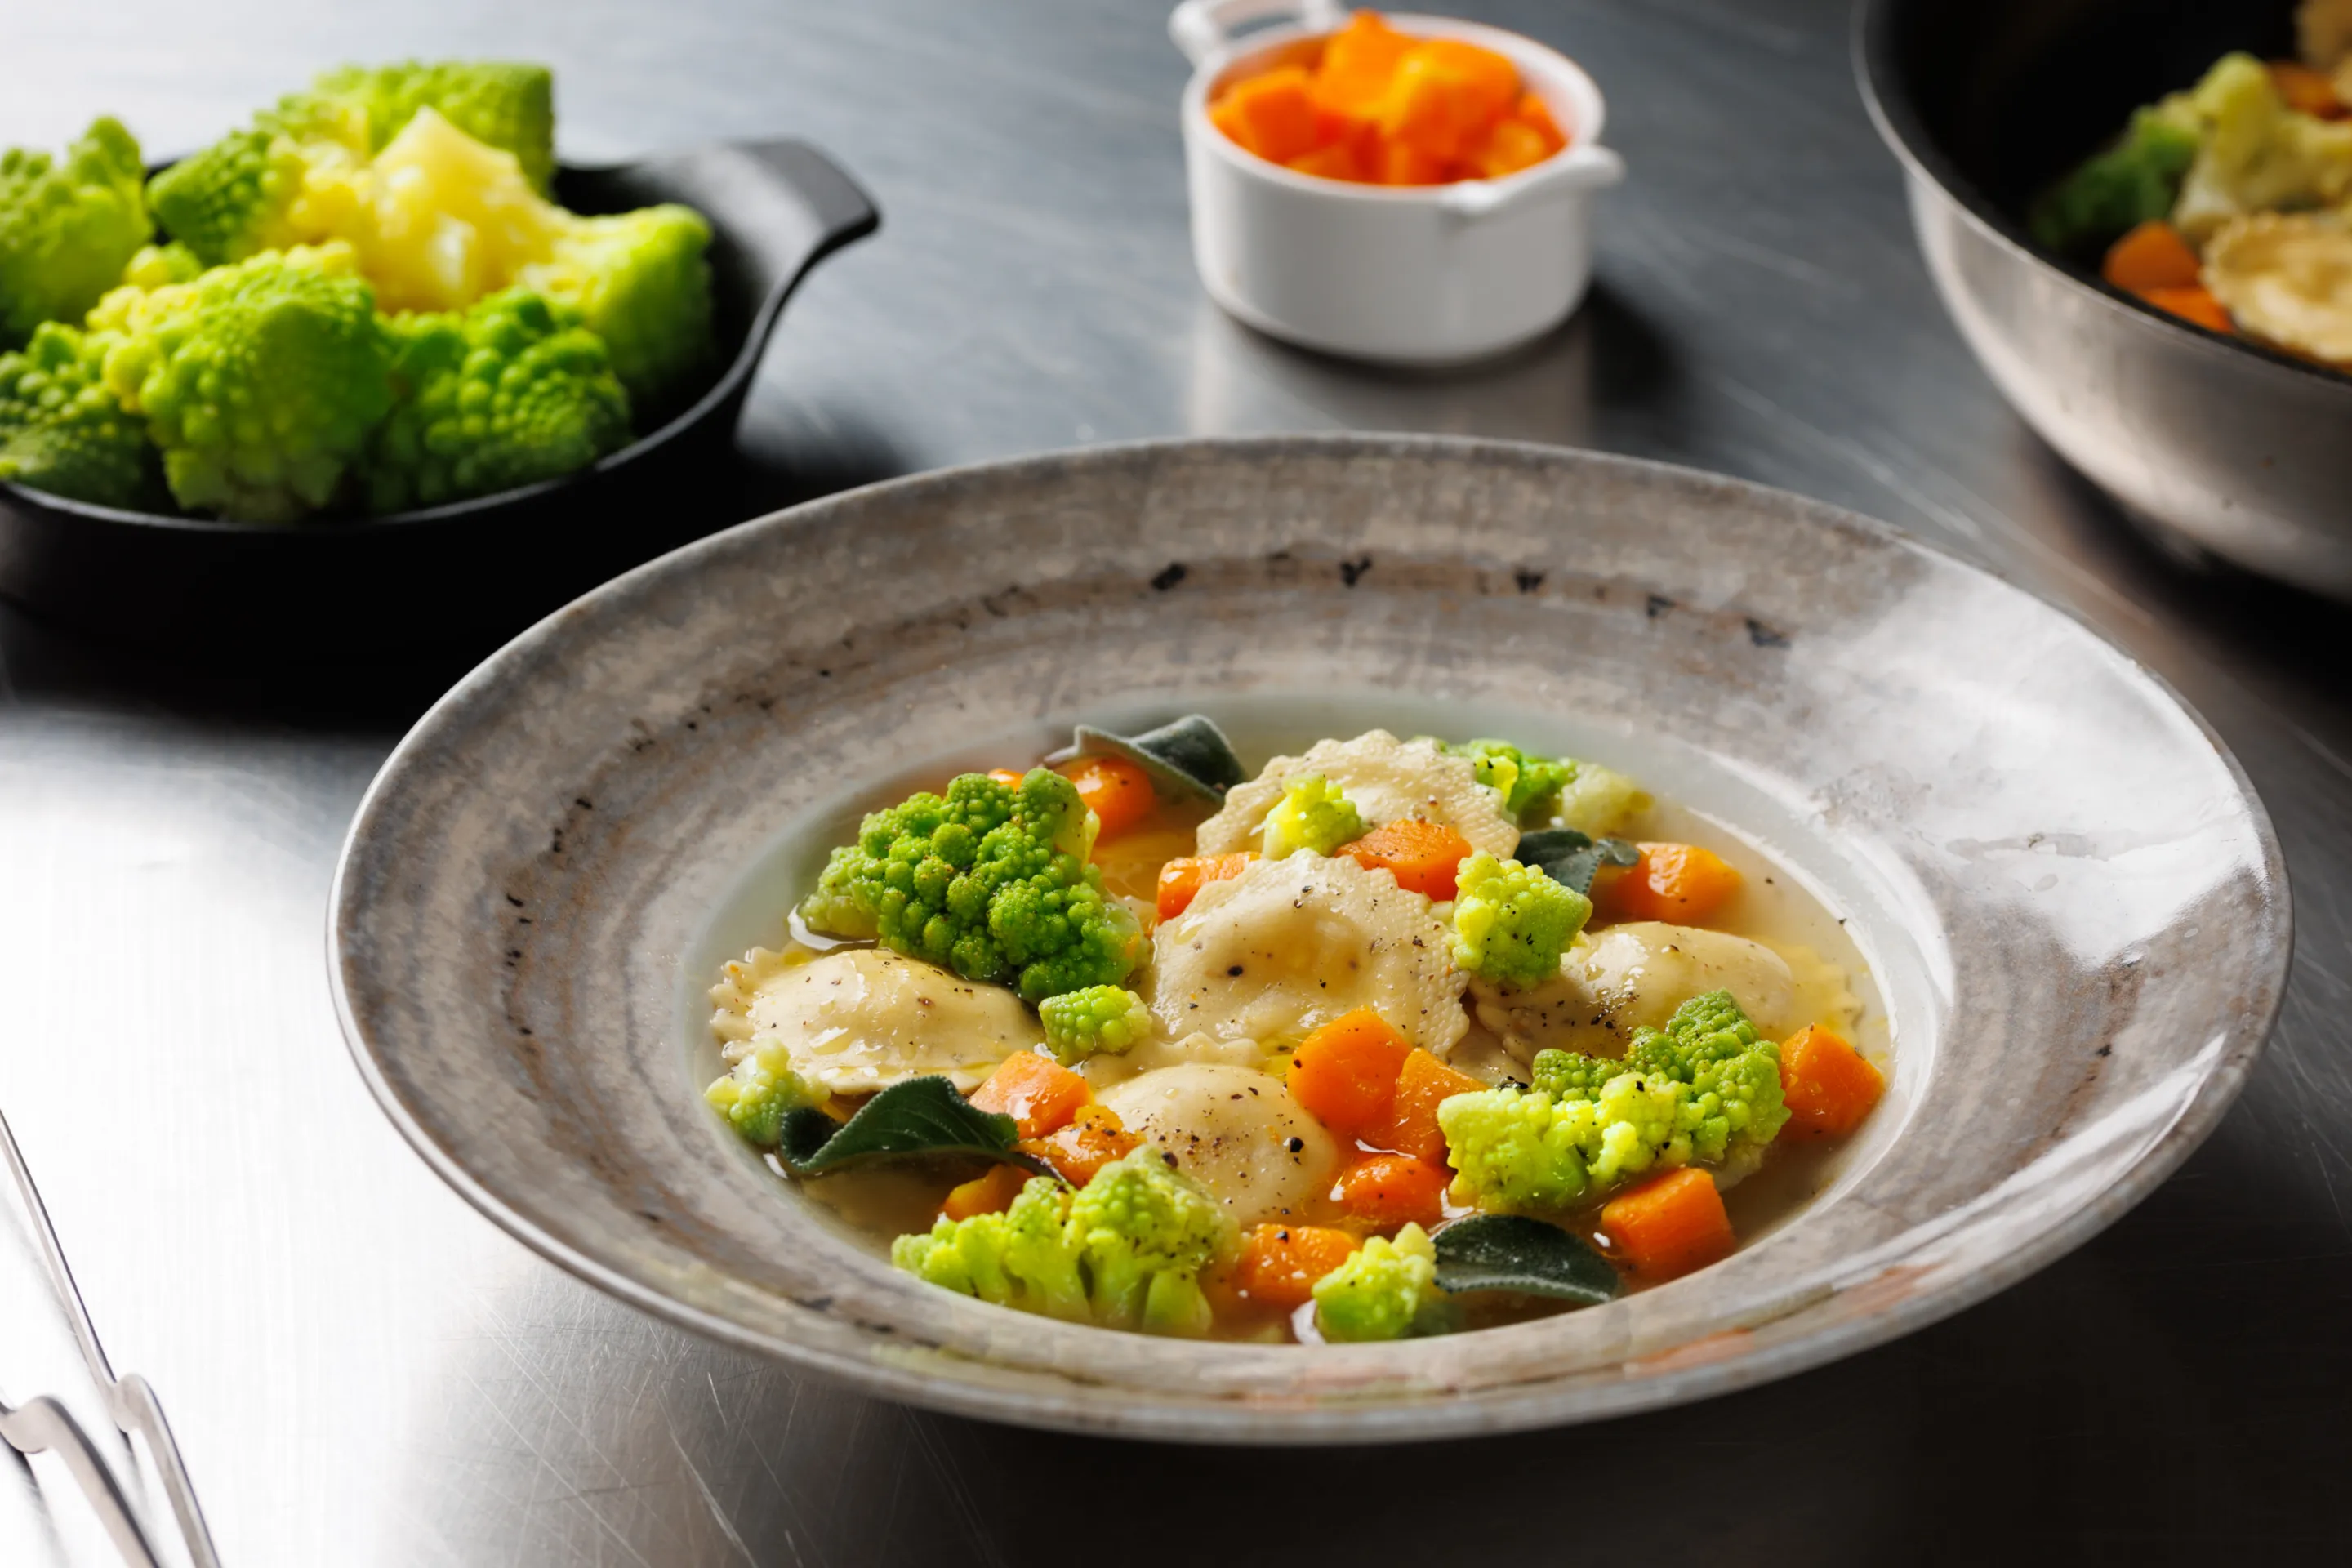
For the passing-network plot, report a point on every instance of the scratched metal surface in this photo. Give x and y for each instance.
(366, 1373)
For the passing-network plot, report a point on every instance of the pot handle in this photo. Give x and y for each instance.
(1577, 169)
(1202, 27)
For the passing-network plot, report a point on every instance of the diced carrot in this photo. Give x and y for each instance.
(1005, 775)
(2306, 90)
(1280, 1263)
(2197, 305)
(1182, 879)
(990, 1193)
(1537, 113)
(1116, 791)
(1829, 1085)
(1669, 1225)
(1444, 95)
(1094, 1138)
(1344, 1073)
(1340, 161)
(1511, 145)
(1679, 883)
(1422, 856)
(1357, 63)
(1039, 1093)
(1411, 1126)
(2152, 255)
(1401, 163)
(1387, 1190)
(1273, 115)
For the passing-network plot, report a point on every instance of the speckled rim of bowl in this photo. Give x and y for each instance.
(2057, 1199)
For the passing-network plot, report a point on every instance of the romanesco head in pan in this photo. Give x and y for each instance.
(67, 226)
(61, 430)
(642, 282)
(507, 392)
(259, 381)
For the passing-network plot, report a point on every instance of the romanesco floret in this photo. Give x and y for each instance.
(1313, 818)
(156, 266)
(2119, 188)
(1105, 1019)
(1526, 782)
(761, 1091)
(990, 880)
(1595, 801)
(67, 225)
(1703, 1090)
(2257, 155)
(61, 430)
(642, 282)
(509, 391)
(253, 190)
(1511, 922)
(260, 381)
(1124, 1252)
(1386, 1291)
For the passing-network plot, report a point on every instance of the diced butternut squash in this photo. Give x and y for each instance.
(1510, 146)
(1401, 163)
(2152, 255)
(2306, 90)
(1039, 1093)
(1679, 883)
(1271, 115)
(1181, 879)
(1005, 775)
(1357, 63)
(1116, 791)
(1421, 856)
(1537, 113)
(1423, 1084)
(1340, 161)
(1670, 1224)
(1280, 1263)
(1444, 95)
(1344, 1073)
(1094, 1138)
(1386, 1191)
(990, 1193)
(1828, 1085)
(2194, 304)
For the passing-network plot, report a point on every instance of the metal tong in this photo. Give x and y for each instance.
(42, 1425)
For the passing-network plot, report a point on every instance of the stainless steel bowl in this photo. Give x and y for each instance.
(2244, 451)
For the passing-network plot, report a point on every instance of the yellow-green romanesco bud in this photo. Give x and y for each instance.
(642, 282)
(1511, 922)
(1386, 1291)
(1108, 1019)
(62, 431)
(759, 1092)
(67, 225)
(1313, 818)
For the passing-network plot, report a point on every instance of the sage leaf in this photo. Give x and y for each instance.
(917, 1117)
(1512, 1252)
(1572, 859)
(1188, 756)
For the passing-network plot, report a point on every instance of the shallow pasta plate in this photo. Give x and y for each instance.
(2067, 893)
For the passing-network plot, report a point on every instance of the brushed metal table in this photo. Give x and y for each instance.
(363, 1372)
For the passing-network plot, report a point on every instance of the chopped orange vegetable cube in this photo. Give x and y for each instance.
(2194, 304)
(1513, 144)
(1116, 791)
(1005, 775)
(1182, 879)
(1444, 95)
(1828, 1085)
(1678, 882)
(1669, 1225)
(1039, 1093)
(1389, 1190)
(2152, 255)
(1271, 115)
(1340, 161)
(1357, 63)
(1537, 113)
(1400, 164)
(1421, 856)
(1411, 1126)
(1344, 1073)
(1280, 1263)
(990, 1193)
(1094, 1138)
(2307, 90)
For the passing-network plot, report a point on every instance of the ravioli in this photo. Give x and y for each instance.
(1386, 779)
(1236, 1131)
(860, 1019)
(1289, 945)
(1633, 976)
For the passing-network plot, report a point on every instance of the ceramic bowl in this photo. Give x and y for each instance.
(1419, 275)
(2066, 892)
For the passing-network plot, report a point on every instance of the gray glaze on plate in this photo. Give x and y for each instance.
(2071, 897)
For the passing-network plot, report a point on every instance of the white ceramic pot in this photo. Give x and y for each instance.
(1421, 274)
